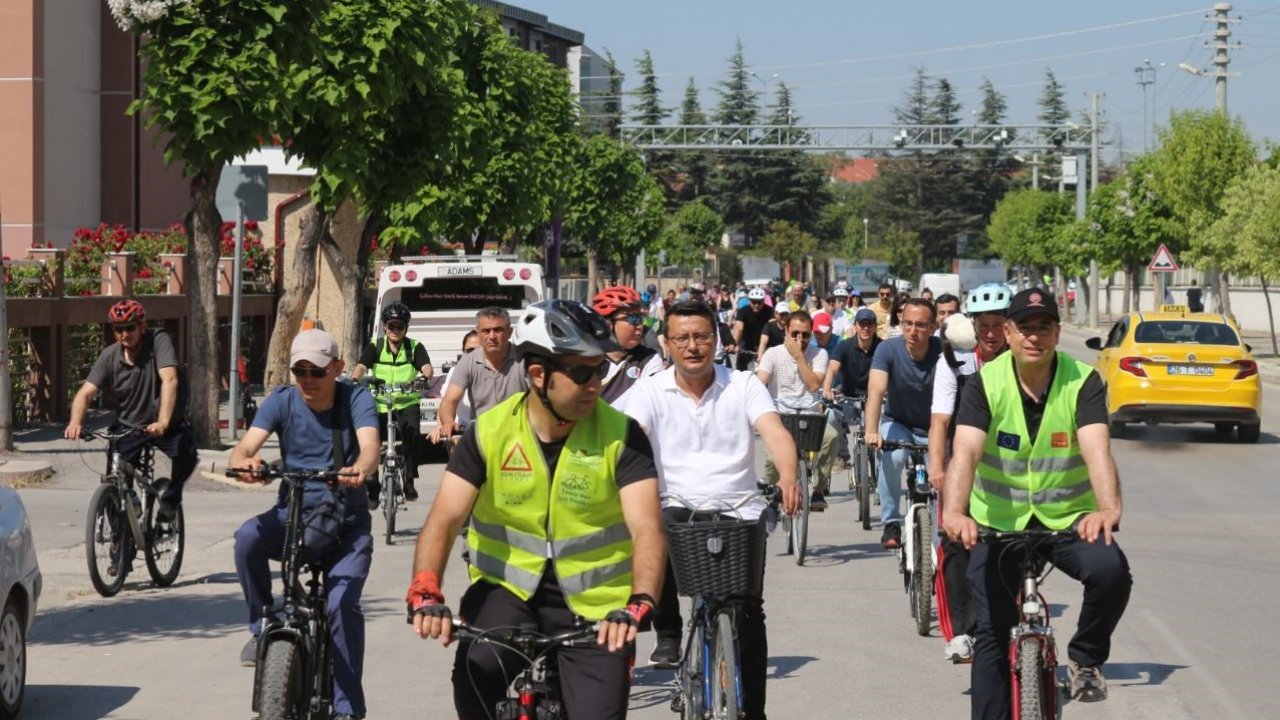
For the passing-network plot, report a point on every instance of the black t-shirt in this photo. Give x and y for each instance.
(1195, 303)
(1091, 405)
(774, 335)
(134, 390)
(371, 353)
(635, 462)
(753, 323)
(855, 365)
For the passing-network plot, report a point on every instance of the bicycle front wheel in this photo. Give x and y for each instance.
(278, 691)
(798, 539)
(107, 542)
(922, 577)
(726, 686)
(1032, 686)
(165, 544)
(693, 676)
(390, 502)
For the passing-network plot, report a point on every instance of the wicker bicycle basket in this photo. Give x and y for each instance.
(806, 430)
(718, 557)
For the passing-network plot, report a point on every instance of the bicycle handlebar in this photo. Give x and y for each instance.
(903, 445)
(274, 472)
(987, 535)
(722, 503)
(506, 635)
(113, 436)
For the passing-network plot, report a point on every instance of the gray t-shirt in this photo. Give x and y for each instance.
(910, 392)
(487, 386)
(134, 390)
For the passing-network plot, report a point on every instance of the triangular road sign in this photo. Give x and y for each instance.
(1162, 261)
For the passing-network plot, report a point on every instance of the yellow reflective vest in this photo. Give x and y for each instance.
(1018, 479)
(522, 518)
(395, 369)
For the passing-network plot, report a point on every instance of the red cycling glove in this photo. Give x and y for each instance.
(424, 592)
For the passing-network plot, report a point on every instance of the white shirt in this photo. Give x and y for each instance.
(706, 447)
(653, 367)
(944, 380)
(784, 374)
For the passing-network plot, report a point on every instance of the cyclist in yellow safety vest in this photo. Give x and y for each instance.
(565, 522)
(397, 359)
(1032, 427)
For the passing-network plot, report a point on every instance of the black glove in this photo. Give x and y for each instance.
(634, 614)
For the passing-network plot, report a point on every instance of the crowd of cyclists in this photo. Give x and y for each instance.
(577, 429)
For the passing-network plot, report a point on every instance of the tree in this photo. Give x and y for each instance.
(1026, 228)
(733, 189)
(1200, 153)
(839, 226)
(791, 184)
(787, 244)
(689, 232)
(899, 247)
(1128, 221)
(944, 106)
(993, 106)
(648, 109)
(1053, 103)
(689, 167)
(915, 106)
(218, 78)
(1247, 235)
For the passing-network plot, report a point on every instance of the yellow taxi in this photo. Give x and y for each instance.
(1175, 366)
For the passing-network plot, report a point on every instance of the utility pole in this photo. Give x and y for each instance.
(1222, 47)
(1094, 281)
(6, 400)
(1146, 77)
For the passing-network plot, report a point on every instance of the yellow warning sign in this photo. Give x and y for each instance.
(517, 461)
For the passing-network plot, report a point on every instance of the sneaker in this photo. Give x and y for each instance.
(1087, 682)
(375, 492)
(959, 649)
(891, 538)
(410, 492)
(818, 502)
(666, 655)
(165, 512)
(346, 716)
(249, 653)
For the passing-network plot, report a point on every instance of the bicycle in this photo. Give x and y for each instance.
(293, 676)
(1033, 654)
(119, 522)
(716, 558)
(534, 693)
(394, 462)
(806, 430)
(916, 558)
(862, 480)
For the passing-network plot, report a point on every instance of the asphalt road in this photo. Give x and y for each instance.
(1200, 529)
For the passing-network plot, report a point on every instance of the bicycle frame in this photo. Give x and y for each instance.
(534, 693)
(919, 494)
(125, 475)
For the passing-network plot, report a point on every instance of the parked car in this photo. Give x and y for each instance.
(20, 590)
(1180, 367)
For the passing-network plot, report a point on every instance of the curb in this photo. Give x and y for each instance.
(19, 474)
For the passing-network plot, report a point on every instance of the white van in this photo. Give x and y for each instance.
(444, 293)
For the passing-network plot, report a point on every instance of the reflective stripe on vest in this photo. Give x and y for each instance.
(396, 369)
(522, 518)
(1018, 479)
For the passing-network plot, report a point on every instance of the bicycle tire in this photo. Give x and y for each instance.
(726, 685)
(391, 501)
(104, 513)
(922, 578)
(862, 469)
(163, 573)
(1032, 701)
(798, 539)
(280, 683)
(693, 674)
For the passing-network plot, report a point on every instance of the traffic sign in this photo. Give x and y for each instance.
(1162, 261)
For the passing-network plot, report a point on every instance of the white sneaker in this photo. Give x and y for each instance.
(959, 650)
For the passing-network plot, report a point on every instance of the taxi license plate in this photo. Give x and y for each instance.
(1206, 370)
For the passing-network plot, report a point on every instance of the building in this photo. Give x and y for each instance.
(854, 171)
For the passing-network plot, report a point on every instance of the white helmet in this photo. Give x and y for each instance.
(755, 293)
(840, 292)
(562, 327)
(988, 298)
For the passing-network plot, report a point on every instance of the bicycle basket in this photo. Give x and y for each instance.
(718, 557)
(806, 430)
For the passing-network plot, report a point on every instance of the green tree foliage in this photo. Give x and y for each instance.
(1026, 229)
(993, 106)
(793, 185)
(1053, 101)
(648, 109)
(786, 243)
(899, 247)
(689, 232)
(915, 108)
(690, 167)
(839, 226)
(606, 113)
(1129, 220)
(1247, 234)
(733, 189)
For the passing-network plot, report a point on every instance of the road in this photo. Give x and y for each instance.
(1200, 530)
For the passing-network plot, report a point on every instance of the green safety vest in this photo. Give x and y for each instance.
(522, 518)
(396, 369)
(1018, 479)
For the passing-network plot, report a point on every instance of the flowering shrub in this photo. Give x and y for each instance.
(26, 280)
(257, 258)
(134, 14)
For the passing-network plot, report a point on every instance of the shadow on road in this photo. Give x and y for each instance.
(147, 615)
(74, 702)
(1139, 673)
(782, 666)
(651, 687)
(831, 555)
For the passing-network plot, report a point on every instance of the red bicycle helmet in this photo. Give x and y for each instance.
(611, 299)
(126, 311)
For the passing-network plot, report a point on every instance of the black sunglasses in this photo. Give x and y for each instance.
(635, 320)
(397, 326)
(582, 374)
(802, 335)
(123, 328)
(313, 372)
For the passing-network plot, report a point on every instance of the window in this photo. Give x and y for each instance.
(1182, 331)
(463, 293)
(1118, 331)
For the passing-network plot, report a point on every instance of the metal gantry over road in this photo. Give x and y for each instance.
(868, 138)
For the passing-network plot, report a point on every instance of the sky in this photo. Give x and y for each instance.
(848, 61)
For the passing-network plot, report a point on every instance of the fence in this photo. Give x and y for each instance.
(56, 330)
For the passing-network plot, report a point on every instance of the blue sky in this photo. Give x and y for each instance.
(849, 61)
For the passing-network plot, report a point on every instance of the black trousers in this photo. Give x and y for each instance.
(955, 587)
(753, 641)
(594, 682)
(408, 429)
(994, 577)
(177, 444)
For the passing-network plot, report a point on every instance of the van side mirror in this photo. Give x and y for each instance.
(1093, 343)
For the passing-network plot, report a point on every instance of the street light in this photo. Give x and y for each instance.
(764, 84)
(865, 223)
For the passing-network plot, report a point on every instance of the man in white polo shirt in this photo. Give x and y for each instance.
(699, 418)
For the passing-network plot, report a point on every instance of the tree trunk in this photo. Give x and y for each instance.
(349, 281)
(202, 298)
(593, 270)
(298, 286)
(1128, 289)
(1271, 318)
(1224, 293)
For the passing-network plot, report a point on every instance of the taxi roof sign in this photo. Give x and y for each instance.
(1174, 309)
(1162, 261)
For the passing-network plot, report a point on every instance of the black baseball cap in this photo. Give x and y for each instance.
(1032, 302)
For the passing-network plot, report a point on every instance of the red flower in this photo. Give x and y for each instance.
(144, 273)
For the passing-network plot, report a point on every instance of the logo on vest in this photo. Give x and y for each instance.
(516, 461)
(633, 373)
(1008, 441)
(1060, 440)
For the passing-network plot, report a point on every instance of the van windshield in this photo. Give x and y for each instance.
(463, 293)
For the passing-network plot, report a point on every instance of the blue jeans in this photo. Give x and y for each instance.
(889, 469)
(261, 538)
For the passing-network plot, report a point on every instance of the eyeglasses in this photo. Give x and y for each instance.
(396, 327)
(909, 324)
(801, 335)
(632, 320)
(696, 338)
(311, 372)
(582, 374)
(122, 329)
